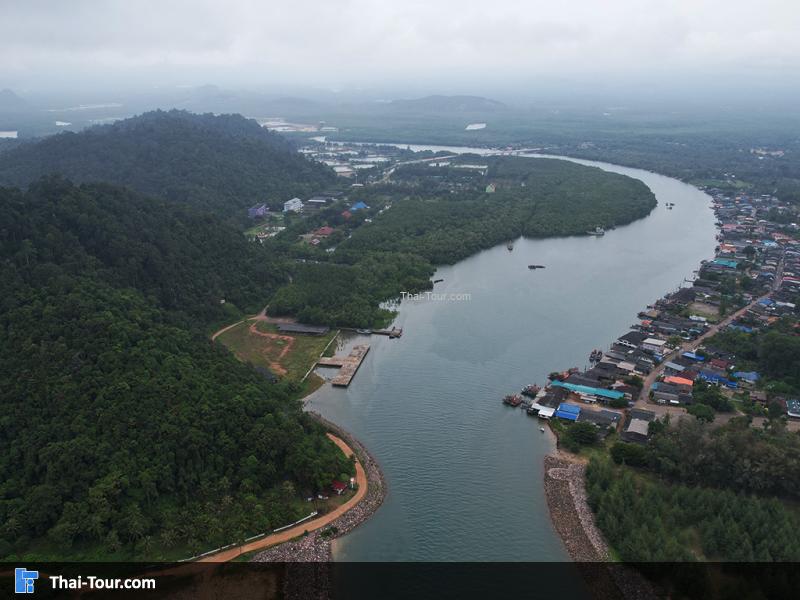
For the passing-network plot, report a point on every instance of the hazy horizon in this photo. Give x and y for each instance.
(513, 51)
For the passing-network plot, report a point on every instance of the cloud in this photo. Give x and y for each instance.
(360, 40)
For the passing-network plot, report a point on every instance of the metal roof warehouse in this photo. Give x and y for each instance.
(590, 391)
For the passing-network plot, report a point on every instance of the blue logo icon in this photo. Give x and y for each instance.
(24, 579)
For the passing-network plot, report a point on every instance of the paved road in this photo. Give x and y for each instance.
(643, 401)
(311, 525)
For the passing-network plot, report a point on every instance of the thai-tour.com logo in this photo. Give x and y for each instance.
(24, 580)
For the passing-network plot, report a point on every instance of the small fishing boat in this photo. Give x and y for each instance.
(532, 267)
(513, 400)
(531, 390)
(598, 231)
(364, 331)
(510, 246)
(438, 280)
(541, 429)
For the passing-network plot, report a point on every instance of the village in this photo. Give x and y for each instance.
(671, 361)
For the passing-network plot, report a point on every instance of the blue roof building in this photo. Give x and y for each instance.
(568, 412)
(714, 378)
(726, 262)
(751, 376)
(693, 356)
(360, 205)
(590, 391)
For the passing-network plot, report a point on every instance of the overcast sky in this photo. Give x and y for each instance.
(335, 43)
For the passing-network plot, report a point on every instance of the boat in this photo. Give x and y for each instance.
(541, 429)
(596, 355)
(598, 231)
(531, 390)
(510, 246)
(513, 400)
(438, 280)
(535, 267)
(364, 331)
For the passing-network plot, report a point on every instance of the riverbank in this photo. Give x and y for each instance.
(565, 491)
(317, 545)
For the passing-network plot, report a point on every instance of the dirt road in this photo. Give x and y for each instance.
(293, 532)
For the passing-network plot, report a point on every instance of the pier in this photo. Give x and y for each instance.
(348, 365)
(394, 332)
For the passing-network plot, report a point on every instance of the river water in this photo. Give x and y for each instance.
(464, 471)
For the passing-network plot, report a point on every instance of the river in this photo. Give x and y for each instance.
(464, 472)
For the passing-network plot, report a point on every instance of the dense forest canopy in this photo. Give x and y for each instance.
(222, 163)
(649, 520)
(126, 432)
(534, 198)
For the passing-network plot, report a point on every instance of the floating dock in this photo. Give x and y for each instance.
(348, 365)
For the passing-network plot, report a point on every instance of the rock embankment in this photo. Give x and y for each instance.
(316, 546)
(569, 510)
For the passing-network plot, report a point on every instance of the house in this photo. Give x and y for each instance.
(316, 203)
(748, 377)
(674, 368)
(679, 381)
(637, 426)
(601, 418)
(293, 205)
(632, 339)
(719, 363)
(360, 205)
(258, 211)
(654, 345)
(339, 487)
(793, 408)
(323, 231)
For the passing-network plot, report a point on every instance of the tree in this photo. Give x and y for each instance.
(580, 434)
(775, 410)
(702, 412)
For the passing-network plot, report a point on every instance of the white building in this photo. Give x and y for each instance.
(654, 345)
(293, 205)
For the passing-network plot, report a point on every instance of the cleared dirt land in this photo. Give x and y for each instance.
(259, 343)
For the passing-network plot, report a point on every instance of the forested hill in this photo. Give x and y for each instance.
(125, 432)
(222, 163)
(181, 259)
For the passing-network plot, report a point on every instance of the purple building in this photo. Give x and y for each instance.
(259, 210)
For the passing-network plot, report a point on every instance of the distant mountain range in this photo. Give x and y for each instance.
(449, 104)
(222, 163)
(10, 101)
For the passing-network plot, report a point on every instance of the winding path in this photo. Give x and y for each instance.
(311, 525)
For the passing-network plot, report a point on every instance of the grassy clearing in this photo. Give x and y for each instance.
(286, 356)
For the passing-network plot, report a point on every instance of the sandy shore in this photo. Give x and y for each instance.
(315, 547)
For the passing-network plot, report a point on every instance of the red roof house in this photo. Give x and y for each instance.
(323, 231)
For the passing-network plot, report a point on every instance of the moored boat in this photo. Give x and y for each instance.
(530, 390)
